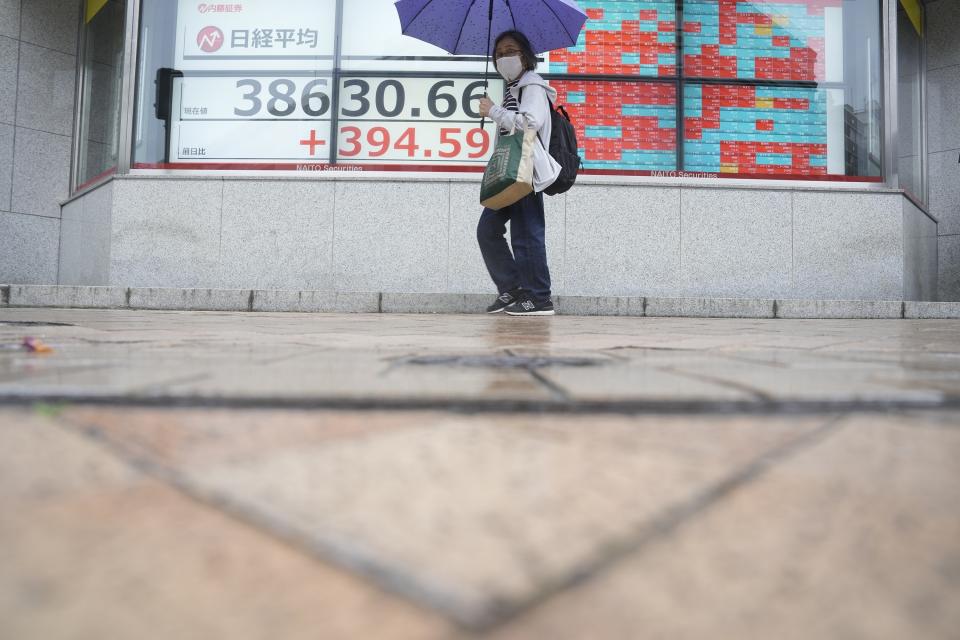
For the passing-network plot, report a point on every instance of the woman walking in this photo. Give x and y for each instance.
(522, 277)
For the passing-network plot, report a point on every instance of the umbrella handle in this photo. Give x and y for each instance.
(485, 95)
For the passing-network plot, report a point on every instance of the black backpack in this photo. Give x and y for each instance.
(563, 149)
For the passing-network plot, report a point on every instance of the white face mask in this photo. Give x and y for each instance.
(510, 67)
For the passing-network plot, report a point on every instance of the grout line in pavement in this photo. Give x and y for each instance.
(494, 406)
(755, 393)
(556, 391)
(671, 519)
(343, 555)
(395, 581)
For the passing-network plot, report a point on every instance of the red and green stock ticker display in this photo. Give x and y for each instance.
(777, 129)
(732, 129)
(623, 37)
(763, 40)
(622, 125)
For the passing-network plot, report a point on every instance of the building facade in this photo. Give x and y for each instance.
(732, 148)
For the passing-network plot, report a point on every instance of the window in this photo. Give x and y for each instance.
(724, 88)
(99, 108)
(234, 85)
(763, 88)
(910, 148)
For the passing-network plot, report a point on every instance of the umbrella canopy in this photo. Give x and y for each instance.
(464, 26)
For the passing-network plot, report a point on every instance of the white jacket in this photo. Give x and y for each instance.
(535, 111)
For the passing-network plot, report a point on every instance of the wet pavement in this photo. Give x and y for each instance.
(207, 474)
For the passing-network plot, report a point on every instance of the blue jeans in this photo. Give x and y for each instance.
(527, 266)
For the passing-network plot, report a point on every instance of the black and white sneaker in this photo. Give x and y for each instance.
(528, 307)
(504, 300)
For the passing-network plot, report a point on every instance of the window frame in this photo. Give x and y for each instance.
(888, 134)
(80, 96)
(891, 113)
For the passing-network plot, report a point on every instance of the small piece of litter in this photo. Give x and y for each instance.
(35, 345)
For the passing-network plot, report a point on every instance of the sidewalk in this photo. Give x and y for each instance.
(254, 475)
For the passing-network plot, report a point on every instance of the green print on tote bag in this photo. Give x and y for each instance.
(509, 173)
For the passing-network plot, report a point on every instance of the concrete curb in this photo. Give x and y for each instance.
(190, 299)
(256, 300)
(435, 302)
(314, 302)
(931, 310)
(710, 308)
(600, 306)
(66, 296)
(840, 309)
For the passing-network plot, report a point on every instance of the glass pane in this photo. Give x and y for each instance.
(760, 131)
(234, 85)
(623, 126)
(100, 100)
(862, 94)
(910, 163)
(763, 39)
(622, 37)
(784, 88)
(798, 92)
(372, 40)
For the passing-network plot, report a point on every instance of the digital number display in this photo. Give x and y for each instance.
(232, 105)
(411, 98)
(251, 118)
(380, 120)
(399, 142)
(413, 120)
(226, 98)
(285, 98)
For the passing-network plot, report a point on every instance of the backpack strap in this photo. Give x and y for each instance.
(549, 102)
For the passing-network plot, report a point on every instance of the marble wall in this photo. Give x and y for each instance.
(943, 137)
(38, 42)
(369, 235)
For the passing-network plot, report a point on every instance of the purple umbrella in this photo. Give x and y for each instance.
(465, 26)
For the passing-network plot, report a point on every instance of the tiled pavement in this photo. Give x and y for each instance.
(222, 475)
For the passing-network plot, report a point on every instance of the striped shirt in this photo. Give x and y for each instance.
(509, 103)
